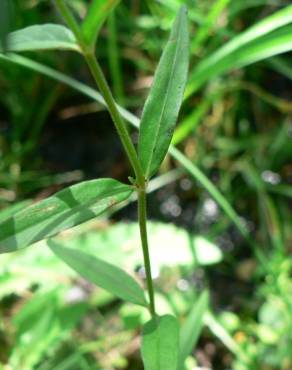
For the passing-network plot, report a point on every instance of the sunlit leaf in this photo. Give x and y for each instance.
(160, 343)
(65, 209)
(165, 97)
(42, 37)
(263, 40)
(101, 273)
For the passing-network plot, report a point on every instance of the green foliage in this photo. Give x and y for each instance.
(192, 328)
(98, 12)
(160, 343)
(165, 97)
(232, 191)
(101, 273)
(267, 38)
(65, 209)
(42, 37)
(5, 21)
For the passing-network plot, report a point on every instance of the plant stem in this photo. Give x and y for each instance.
(96, 71)
(89, 55)
(116, 117)
(70, 20)
(142, 217)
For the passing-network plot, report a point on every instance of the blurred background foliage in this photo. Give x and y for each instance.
(235, 126)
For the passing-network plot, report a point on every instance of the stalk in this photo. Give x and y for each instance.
(96, 71)
(142, 217)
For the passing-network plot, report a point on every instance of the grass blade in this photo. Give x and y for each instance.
(192, 327)
(235, 53)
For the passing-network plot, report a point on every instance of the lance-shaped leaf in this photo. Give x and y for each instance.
(96, 15)
(163, 103)
(160, 343)
(63, 210)
(42, 37)
(192, 327)
(101, 273)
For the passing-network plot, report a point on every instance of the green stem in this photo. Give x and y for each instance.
(70, 20)
(102, 84)
(89, 55)
(142, 217)
(116, 117)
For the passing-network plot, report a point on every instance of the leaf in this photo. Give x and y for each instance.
(65, 209)
(160, 343)
(192, 327)
(101, 273)
(236, 53)
(163, 103)
(42, 37)
(11, 210)
(190, 167)
(5, 21)
(96, 15)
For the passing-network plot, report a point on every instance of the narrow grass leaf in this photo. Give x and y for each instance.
(160, 343)
(42, 37)
(165, 98)
(65, 209)
(192, 327)
(235, 53)
(101, 273)
(97, 13)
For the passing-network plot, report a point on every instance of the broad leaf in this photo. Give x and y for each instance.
(42, 37)
(192, 327)
(65, 209)
(160, 343)
(96, 15)
(165, 98)
(101, 273)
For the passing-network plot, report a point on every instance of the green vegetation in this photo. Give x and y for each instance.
(200, 268)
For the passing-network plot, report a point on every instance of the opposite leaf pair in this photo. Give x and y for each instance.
(84, 201)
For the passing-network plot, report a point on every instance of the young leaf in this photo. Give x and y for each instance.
(63, 210)
(192, 327)
(42, 37)
(97, 14)
(165, 98)
(160, 343)
(101, 273)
